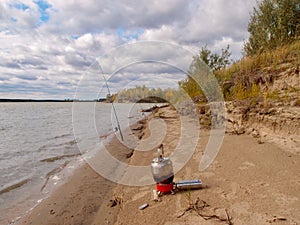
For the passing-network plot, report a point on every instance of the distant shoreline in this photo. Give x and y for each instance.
(50, 100)
(104, 100)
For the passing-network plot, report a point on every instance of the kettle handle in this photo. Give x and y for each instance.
(160, 151)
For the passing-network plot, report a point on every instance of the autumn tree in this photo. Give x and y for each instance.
(213, 60)
(272, 23)
(202, 68)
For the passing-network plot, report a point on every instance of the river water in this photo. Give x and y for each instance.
(37, 139)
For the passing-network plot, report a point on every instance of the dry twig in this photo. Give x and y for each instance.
(199, 205)
(116, 201)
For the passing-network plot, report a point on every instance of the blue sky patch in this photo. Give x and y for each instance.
(19, 6)
(12, 19)
(43, 6)
(129, 35)
(74, 37)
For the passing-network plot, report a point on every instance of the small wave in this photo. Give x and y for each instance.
(52, 159)
(54, 145)
(62, 136)
(106, 135)
(5, 128)
(14, 186)
(42, 148)
(53, 172)
(73, 142)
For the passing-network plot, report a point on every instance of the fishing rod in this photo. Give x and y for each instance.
(113, 106)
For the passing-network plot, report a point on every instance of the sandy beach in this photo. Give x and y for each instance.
(248, 183)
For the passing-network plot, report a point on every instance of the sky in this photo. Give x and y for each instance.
(48, 46)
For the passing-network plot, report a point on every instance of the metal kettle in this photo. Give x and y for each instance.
(162, 168)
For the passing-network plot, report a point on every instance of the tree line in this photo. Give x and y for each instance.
(145, 94)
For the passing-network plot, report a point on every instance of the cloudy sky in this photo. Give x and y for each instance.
(47, 46)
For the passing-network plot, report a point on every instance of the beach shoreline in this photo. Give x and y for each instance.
(248, 183)
(82, 172)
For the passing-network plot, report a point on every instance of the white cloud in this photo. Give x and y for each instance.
(38, 55)
(85, 41)
(164, 33)
(89, 16)
(216, 19)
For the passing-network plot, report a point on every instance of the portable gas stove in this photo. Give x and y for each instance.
(163, 175)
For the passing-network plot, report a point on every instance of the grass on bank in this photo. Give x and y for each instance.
(270, 59)
(276, 61)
